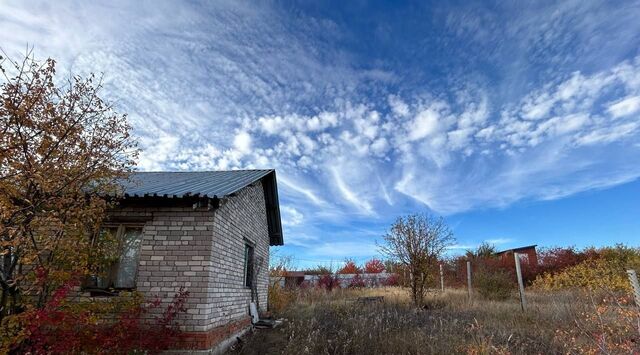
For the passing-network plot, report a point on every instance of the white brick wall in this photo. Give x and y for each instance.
(239, 218)
(204, 252)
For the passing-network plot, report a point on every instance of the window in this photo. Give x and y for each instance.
(248, 265)
(121, 274)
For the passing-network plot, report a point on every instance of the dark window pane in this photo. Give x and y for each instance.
(128, 266)
(248, 265)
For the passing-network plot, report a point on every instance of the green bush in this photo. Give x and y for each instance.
(494, 285)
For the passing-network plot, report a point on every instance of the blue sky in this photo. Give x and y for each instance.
(519, 122)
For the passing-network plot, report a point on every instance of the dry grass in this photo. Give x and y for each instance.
(322, 322)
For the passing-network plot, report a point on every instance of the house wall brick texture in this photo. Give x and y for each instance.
(239, 219)
(203, 251)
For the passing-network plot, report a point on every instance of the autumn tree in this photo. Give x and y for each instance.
(350, 267)
(319, 270)
(398, 269)
(280, 265)
(374, 266)
(483, 251)
(62, 150)
(418, 241)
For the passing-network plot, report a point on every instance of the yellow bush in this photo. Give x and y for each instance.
(606, 271)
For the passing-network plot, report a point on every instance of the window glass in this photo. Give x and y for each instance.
(248, 265)
(128, 266)
(104, 276)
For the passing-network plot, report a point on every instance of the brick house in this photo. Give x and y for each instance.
(207, 231)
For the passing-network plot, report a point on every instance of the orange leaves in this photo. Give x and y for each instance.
(609, 326)
(62, 149)
(374, 266)
(349, 267)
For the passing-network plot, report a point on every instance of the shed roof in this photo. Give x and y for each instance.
(207, 184)
(515, 250)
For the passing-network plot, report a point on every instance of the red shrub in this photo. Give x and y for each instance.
(391, 280)
(554, 260)
(374, 266)
(58, 328)
(328, 282)
(357, 282)
(551, 260)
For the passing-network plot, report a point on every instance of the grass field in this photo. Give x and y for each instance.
(321, 322)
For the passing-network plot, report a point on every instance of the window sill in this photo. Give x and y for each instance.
(102, 293)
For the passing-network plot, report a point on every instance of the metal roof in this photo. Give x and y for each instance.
(181, 184)
(517, 249)
(165, 186)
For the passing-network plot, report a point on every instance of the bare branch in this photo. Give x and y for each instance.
(418, 241)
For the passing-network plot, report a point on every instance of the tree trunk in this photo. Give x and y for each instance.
(9, 301)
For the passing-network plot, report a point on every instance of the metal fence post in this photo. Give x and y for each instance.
(633, 279)
(469, 287)
(523, 301)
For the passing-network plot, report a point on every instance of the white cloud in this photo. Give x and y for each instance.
(571, 123)
(460, 247)
(380, 146)
(625, 107)
(158, 149)
(301, 239)
(459, 138)
(608, 134)
(398, 106)
(425, 123)
(343, 142)
(242, 142)
(308, 193)
(538, 109)
(349, 195)
(291, 216)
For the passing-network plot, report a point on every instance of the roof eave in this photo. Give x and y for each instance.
(270, 187)
(517, 249)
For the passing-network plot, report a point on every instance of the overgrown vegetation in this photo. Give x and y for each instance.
(67, 325)
(557, 268)
(62, 151)
(579, 303)
(417, 242)
(322, 322)
(494, 285)
(599, 269)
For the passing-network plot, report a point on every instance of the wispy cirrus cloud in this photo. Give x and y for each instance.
(472, 109)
